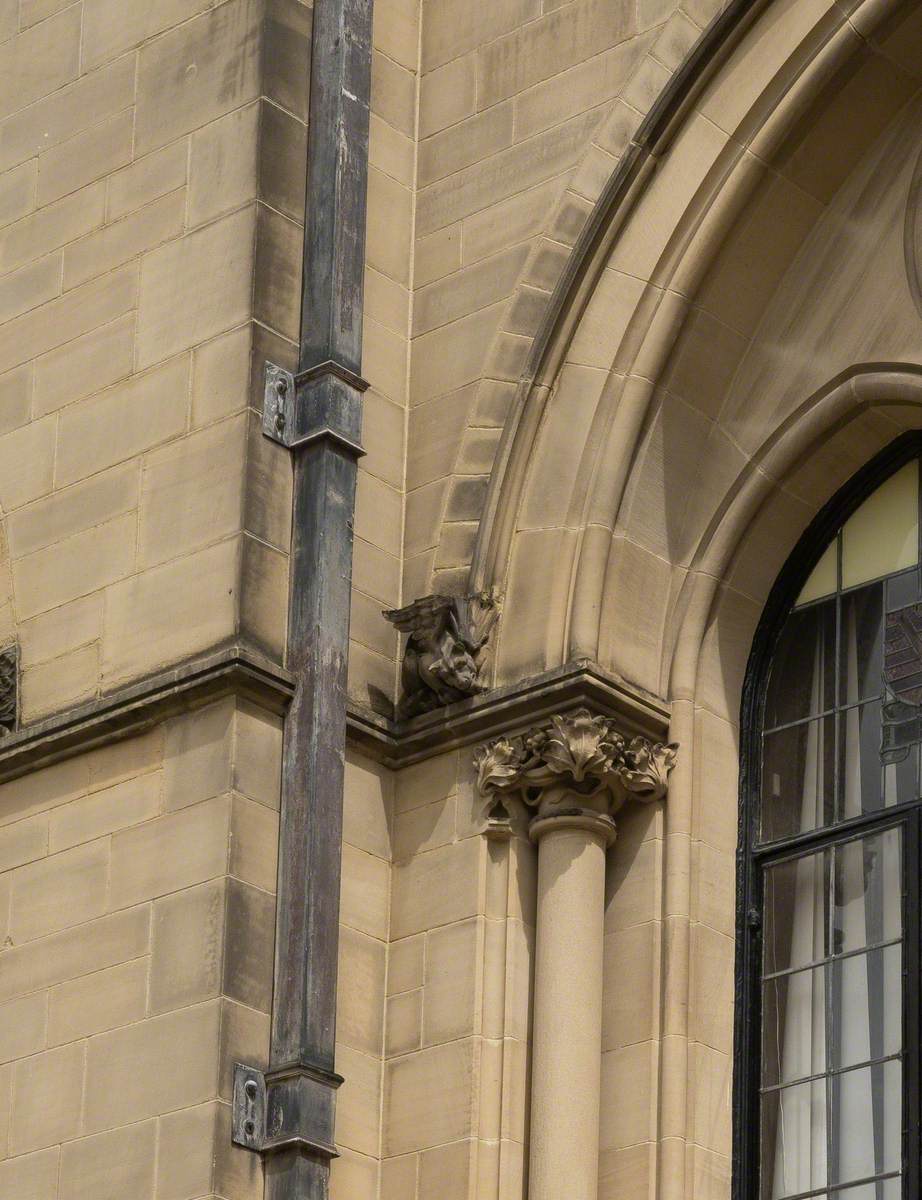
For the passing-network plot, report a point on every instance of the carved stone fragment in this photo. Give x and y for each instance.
(579, 762)
(9, 689)
(443, 657)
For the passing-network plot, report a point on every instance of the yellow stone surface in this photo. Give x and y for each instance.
(741, 338)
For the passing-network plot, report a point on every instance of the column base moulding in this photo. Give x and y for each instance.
(600, 825)
(507, 709)
(128, 711)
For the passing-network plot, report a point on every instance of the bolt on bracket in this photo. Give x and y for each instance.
(277, 402)
(248, 1123)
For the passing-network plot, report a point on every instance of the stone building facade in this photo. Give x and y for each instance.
(616, 296)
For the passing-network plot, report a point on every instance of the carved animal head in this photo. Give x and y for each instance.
(454, 658)
(446, 635)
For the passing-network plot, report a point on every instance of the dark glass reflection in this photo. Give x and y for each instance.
(901, 778)
(798, 778)
(832, 1019)
(860, 767)
(798, 886)
(802, 681)
(861, 645)
(902, 669)
(903, 589)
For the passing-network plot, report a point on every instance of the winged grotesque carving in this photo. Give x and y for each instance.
(9, 689)
(443, 657)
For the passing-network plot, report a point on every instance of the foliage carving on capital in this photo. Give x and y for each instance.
(577, 760)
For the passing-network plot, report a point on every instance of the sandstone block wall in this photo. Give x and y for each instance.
(363, 950)
(137, 916)
(493, 131)
(137, 922)
(151, 203)
(456, 1033)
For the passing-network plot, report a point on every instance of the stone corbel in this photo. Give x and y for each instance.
(573, 775)
(444, 656)
(9, 689)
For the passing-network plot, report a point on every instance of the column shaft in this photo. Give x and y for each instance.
(567, 1038)
(574, 774)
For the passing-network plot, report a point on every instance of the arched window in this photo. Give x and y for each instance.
(827, 1042)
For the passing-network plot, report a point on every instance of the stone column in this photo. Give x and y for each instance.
(573, 775)
(567, 1037)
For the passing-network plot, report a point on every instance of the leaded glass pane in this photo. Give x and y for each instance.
(867, 1124)
(824, 577)
(798, 778)
(857, 654)
(882, 536)
(794, 1140)
(832, 1017)
(793, 1002)
(861, 645)
(860, 766)
(841, 743)
(867, 904)
(796, 886)
(802, 680)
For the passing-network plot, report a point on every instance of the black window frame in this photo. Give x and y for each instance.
(752, 857)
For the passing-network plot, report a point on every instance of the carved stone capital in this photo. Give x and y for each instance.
(576, 769)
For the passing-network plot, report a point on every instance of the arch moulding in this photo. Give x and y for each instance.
(687, 181)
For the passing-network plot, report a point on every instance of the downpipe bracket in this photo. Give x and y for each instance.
(323, 402)
(272, 1110)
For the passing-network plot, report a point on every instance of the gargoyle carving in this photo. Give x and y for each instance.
(9, 689)
(443, 655)
(577, 756)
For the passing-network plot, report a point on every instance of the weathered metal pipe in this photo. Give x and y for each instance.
(289, 1112)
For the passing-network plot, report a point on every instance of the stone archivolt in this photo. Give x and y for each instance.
(579, 763)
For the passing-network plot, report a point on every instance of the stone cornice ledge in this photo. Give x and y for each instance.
(507, 709)
(130, 710)
(238, 670)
